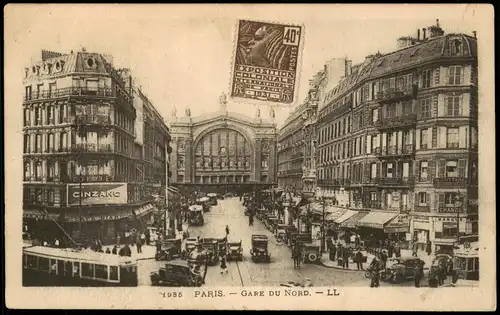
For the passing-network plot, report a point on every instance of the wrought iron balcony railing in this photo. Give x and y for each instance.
(449, 182)
(397, 94)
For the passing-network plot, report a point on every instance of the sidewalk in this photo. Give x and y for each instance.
(148, 251)
(326, 262)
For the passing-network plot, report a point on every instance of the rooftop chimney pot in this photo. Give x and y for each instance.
(424, 33)
(437, 22)
(418, 34)
(475, 34)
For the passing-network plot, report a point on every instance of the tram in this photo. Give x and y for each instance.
(48, 266)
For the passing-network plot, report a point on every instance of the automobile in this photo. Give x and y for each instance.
(220, 196)
(204, 202)
(311, 253)
(169, 249)
(448, 260)
(213, 198)
(234, 250)
(211, 246)
(259, 249)
(402, 268)
(176, 274)
(289, 230)
(196, 215)
(221, 244)
(189, 245)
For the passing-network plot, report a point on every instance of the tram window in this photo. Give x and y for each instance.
(53, 266)
(43, 264)
(31, 261)
(67, 268)
(76, 269)
(87, 270)
(101, 271)
(113, 273)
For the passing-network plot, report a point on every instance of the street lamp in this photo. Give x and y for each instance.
(458, 204)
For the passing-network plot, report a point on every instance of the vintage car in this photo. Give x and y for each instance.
(311, 253)
(234, 250)
(168, 249)
(466, 262)
(221, 244)
(269, 223)
(402, 268)
(195, 216)
(204, 202)
(303, 238)
(289, 230)
(211, 246)
(260, 214)
(189, 245)
(273, 223)
(220, 196)
(213, 199)
(259, 249)
(176, 274)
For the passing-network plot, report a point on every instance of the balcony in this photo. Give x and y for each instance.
(397, 94)
(422, 209)
(449, 182)
(93, 120)
(91, 178)
(395, 181)
(396, 122)
(94, 148)
(68, 91)
(335, 182)
(392, 150)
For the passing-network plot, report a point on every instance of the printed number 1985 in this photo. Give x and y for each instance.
(291, 36)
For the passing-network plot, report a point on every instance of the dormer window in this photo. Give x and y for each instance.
(91, 63)
(456, 48)
(58, 65)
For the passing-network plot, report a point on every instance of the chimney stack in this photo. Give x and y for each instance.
(437, 22)
(418, 34)
(475, 34)
(423, 33)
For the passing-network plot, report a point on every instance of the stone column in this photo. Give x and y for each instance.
(173, 160)
(188, 161)
(257, 160)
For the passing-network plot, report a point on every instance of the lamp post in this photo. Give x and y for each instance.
(458, 204)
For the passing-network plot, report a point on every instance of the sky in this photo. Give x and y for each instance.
(182, 55)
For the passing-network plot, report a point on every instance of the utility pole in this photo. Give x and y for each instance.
(323, 234)
(458, 204)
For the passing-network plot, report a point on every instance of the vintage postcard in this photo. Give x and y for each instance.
(219, 157)
(266, 62)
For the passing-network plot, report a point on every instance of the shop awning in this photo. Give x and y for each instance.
(348, 214)
(400, 224)
(376, 219)
(143, 210)
(352, 222)
(334, 213)
(115, 215)
(40, 215)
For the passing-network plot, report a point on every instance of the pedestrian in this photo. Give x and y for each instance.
(223, 266)
(428, 247)
(45, 243)
(56, 243)
(357, 241)
(375, 273)
(345, 260)
(339, 255)
(419, 274)
(127, 251)
(118, 238)
(383, 258)
(143, 238)
(333, 251)
(397, 250)
(147, 235)
(139, 246)
(390, 250)
(108, 251)
(359, 260)
(115, 250)
(227, 229)
(442, 272)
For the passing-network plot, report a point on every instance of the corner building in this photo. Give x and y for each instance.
(399, 135)
(85, 140)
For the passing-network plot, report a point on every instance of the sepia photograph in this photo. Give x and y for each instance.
(250, 157)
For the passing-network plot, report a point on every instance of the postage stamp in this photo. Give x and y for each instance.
(266, 62)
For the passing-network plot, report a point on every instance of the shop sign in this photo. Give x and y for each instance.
(451, 209)
(394, 229)
(97, 193)
(399, 224)
(94, 218)
(421, 219)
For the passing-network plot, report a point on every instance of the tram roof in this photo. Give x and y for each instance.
(80, 255)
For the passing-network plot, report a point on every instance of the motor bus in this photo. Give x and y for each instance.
(48, 266)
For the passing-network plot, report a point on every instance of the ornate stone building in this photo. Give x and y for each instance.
(223, 151)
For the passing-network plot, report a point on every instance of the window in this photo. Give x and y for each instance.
(38, 116)
(455, 75)
(51, 171)
(422, 198)
(28, 92)
(424, 133)
(27, 171)
(87, 270)
(63, 139)
(375, 115)
(50, 143)
(452, 138)
(113, 273)
(50, 115)
(43, 264)
(52, 89)
(406, 170)
(450, 198)
(348, 124)
(449, 230)
(455, 48)
(424, 169)
(373, 196)
(38, 143)
(39, 90)
(26, 118)
(390, 170)
(373, 174)
(451, 169)
(26, 145)
(38, 171)
(453, 106)
(101, 271)
(425, 108)
(390, 110)
(426, 78)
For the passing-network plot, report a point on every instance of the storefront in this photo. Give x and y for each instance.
(374, 223)
(421, 231)
(351, 224)
(398, 228)
(38, 224)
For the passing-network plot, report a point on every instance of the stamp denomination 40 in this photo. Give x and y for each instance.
(266, 62)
